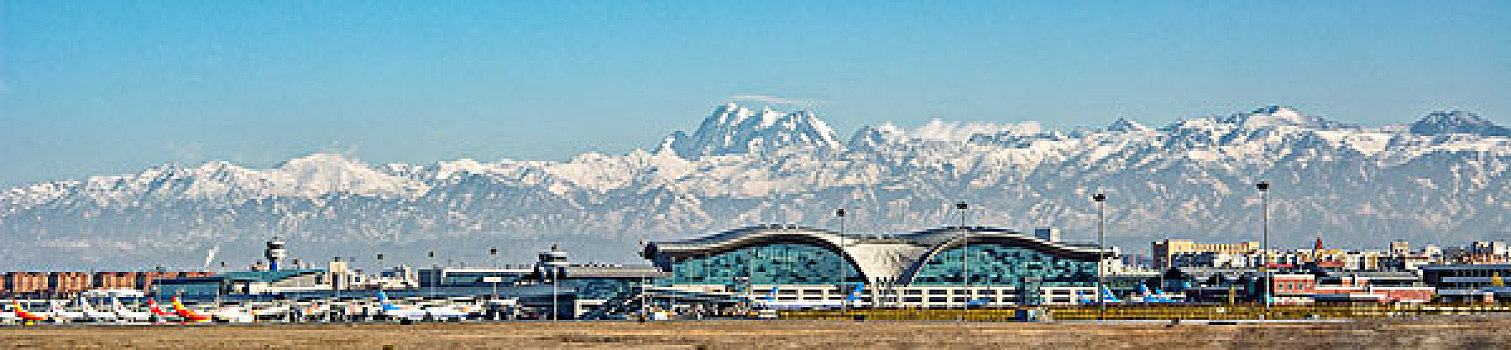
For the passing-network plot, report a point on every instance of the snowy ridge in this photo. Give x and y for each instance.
(1444, 179)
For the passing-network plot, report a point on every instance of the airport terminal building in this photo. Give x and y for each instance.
(794, 266)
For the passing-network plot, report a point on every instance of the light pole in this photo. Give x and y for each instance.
(1101, 200)
(336, 285)
(1264, 264)
(555, 304)
(965, 259)
(493, 255)
(844, 299)
(435, 272)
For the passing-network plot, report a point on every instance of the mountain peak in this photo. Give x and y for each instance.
(1123, 124)
(869, 137)
(735, 129)
(1274, 115)
(319, 159)
(1457, 122)
(326, 172)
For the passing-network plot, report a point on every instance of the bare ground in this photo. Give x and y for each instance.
(1442, 334)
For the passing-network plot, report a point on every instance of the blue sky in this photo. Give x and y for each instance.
(110, 87)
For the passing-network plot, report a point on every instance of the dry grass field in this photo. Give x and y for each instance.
(1377, 334)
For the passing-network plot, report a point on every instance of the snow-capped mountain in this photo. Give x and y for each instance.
(1441, 180)
(1456, 122)
(733, 129)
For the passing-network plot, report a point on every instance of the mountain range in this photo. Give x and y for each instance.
(1442, 179)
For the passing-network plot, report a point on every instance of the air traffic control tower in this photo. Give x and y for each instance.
(275, 253)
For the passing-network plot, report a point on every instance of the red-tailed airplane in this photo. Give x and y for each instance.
(24, 315)
(188, 315)
(156, 311)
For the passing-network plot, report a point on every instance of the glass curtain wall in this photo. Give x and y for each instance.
(995, 264)
(781, 263)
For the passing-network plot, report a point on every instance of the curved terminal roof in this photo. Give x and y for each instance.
(879, 258)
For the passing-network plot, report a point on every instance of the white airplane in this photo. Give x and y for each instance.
(272, 312)
(95, 315)
(8, 316)
(123, 313)
(389, 310)
(233, 314)
(446, 313)
(60, 315)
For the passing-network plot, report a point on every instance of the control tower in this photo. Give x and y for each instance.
(552, 263)
(275, 253)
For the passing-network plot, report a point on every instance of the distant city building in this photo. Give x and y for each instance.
(68, 284)
(1469, 282)
(1165, 252)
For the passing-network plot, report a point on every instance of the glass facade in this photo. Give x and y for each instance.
(1000, 264)
(601, 288)
(779, 263)
(189, 288)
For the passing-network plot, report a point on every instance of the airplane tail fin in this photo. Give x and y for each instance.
(177, 305)
(855, 294)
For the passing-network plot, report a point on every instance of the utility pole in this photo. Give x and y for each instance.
(1264, 269)
(1101, 200)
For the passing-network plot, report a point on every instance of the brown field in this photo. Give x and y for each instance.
(1379, 334)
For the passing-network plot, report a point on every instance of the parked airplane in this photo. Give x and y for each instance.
(96, 315)
(126, 314)
(159, 313)
(1155, 297)
(273, 313)
(446, 313)
(1109, 297)
(396, 312)
(232, 314)
(28, 316)
(186, 314)
(8, 316)
(61, 315)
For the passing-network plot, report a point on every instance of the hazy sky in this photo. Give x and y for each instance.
(112, 87)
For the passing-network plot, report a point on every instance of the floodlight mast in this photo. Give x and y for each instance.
(965, 259)
(844, 300)
(1264, 265)
(1101, 200)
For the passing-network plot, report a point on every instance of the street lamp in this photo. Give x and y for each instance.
(435, 272)
(1101, 200)
(1264, 269)
(493, 255)
(965, 259)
